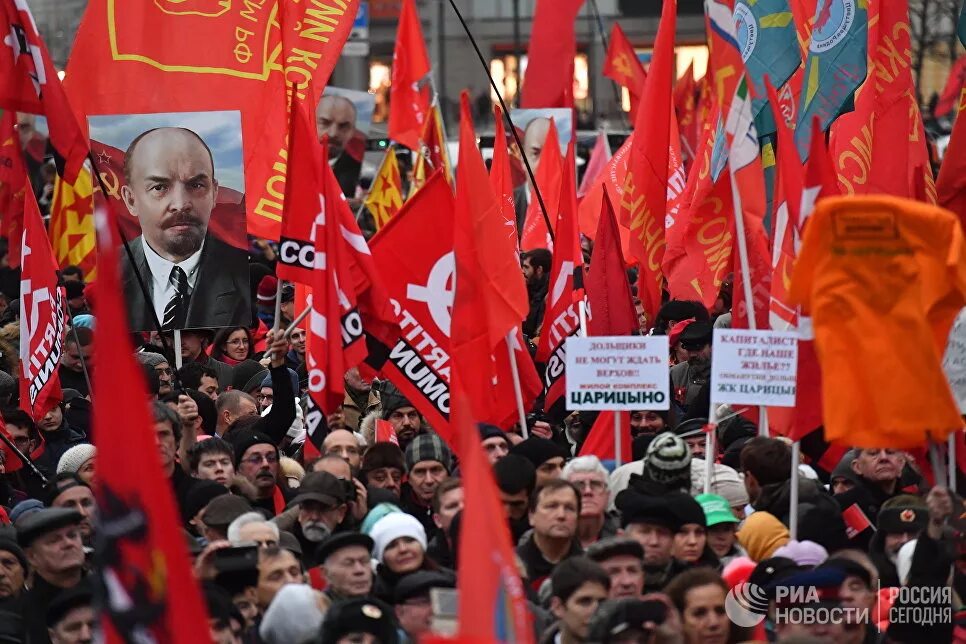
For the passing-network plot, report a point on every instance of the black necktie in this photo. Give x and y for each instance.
(177, 308)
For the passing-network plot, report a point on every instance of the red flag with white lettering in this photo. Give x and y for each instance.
(43, 316)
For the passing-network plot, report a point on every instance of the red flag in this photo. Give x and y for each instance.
(43, 318)
(599, 157)
(432, 154)
(686, 108)
(600, 440)
(644, 205)
(951, 184)
(704, 231)
(566, 291)
(492, 599)
(955, 83)
(144, 566)
(303, 199)
(165, 56)
(608, 292)
(491, 297)
(549, 176)
(385, 432)
(13, 179)
(501, 176)
(549, 79)
(409, 93)
(870, 155)
(29, 83)
(610, 181)
(420, 290)
(622, 66)
(788, 199)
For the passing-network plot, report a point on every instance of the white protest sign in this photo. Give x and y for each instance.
(618, 373)
(754, 367)
(954, 362)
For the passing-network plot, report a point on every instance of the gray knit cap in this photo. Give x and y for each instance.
(149, 358)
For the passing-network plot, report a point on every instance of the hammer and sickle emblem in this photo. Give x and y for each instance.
(623, 65)
(206, 8)
(112, 183)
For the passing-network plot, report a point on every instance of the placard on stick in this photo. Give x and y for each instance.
(754, 367)
(617, 373)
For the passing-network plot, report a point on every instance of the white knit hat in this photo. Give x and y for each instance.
(74, 458)
(391, 527)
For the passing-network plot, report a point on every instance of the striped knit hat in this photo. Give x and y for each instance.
(668, 461)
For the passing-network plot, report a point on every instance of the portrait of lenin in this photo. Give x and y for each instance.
(193, 278)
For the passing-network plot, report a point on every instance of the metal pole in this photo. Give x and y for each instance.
(83, 361)
(793, 492)
(617, 439)
(511, 339)
(506, 115)
(603, 39)
(278, 304)
(298, 320)
(746, 279)
(23, 457)
(709, 451)
(178, 360)
(951, 458)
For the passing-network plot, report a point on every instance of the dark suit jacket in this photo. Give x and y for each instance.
(221, 296)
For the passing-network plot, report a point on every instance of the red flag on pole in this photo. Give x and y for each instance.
(549, 78)
(43, 316)
(29, 83)
(144, 569)
(608, 292)
(303, 199)
(566, 291)
(549, 175)
(951, 184)
(13, 179)
(410, 91)
(600, 440)
(599, 157)
(501, 175)
(644, 203)
(622, 66)
(491, 297)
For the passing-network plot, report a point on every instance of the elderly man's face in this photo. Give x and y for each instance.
(533, 139)
(336, 117)
(172, 191)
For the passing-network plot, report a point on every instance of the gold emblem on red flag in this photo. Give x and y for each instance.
(208, 8)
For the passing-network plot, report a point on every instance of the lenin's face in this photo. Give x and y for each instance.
(534, 137)
(172, 191)
(336, 117)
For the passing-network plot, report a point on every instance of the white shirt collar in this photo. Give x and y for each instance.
(161, 267)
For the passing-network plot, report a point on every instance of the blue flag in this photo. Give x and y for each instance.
(769, 47)
(835, 66)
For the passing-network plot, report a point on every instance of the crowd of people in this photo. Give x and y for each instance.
(361, 544)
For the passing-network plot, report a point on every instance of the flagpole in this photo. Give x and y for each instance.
(603, 39)
(709, 452)
(506, 116)
(298, 320)
(746, 278)
(23, 457)
(83, 360)
(951, 461)
(793, 492)
(517, 389)
(617, 439)
(278, 305)
(938, 467)
(178, 360)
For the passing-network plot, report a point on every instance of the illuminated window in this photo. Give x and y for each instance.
(507, 77)
(380, 76)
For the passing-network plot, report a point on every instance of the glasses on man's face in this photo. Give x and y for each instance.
(257, 459)
(264, 397)
(164, 371)
(593, 485)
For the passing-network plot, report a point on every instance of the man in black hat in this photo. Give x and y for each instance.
(383, 467)
(351, 620)
(516, 478)
(622, 558)
(51, 540)
(688, 378)
(495, 442)
(900, 520)
(414, 610)
(321, 502)
(13, 573)
(346, 563)
(396, 408)
(256, 458)
(546, 456)
(219, 513)
(69, 491)
(652, 522)
(70, 617)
